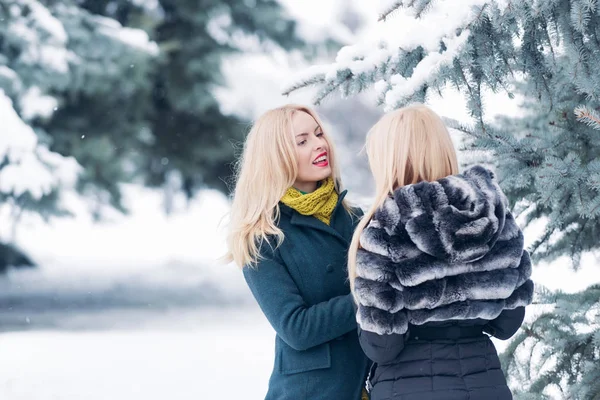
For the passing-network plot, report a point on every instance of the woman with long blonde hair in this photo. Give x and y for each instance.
(290, 229)
(436, 267)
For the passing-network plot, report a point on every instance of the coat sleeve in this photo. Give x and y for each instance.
(506, 324)
(300, 325)
(381, 349)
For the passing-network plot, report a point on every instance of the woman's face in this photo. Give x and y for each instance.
(311, 151)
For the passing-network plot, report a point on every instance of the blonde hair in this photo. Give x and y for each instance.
(266, 169)
(405, 146)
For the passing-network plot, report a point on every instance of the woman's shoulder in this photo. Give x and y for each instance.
(268, 254)
(283, 215)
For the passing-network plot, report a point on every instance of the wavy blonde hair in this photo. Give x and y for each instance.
(267, 168)
(405, 146)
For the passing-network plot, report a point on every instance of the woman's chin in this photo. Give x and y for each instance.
(323, 172)
(324, 175)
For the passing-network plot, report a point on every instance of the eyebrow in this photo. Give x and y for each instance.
(306, 134)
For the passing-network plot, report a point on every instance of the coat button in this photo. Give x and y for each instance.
(329, 268)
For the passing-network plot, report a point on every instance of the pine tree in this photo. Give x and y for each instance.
(548, 158)
(558, 355)
(187, 134)
(132, 85)
(31, 176)
(77, 79)
(33, 59)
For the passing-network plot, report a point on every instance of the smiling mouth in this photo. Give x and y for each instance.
(321, 160)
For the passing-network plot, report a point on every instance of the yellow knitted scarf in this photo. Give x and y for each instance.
(319, 203)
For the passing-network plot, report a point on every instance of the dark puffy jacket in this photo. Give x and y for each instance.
(441, 264)
(463, 365)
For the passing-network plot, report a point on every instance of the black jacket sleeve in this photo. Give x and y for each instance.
(506, 324)
(381, 349)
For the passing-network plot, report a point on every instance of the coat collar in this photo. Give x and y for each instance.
(309, 221)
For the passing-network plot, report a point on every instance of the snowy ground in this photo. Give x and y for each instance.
(178, 357)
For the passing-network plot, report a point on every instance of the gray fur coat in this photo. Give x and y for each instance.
(438, 251)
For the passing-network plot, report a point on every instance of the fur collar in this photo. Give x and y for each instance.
(442, 250)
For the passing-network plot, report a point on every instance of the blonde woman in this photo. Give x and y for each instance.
(290, 231)
(436, 266)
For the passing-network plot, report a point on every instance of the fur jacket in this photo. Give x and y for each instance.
(443, 250)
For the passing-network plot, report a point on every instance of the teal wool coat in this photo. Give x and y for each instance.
(302, 288)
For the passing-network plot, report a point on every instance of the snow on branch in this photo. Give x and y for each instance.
(423, 24)
(403, 88)
(389, 9)
(31, 167)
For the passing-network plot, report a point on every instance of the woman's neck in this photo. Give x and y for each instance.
(306, 187)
